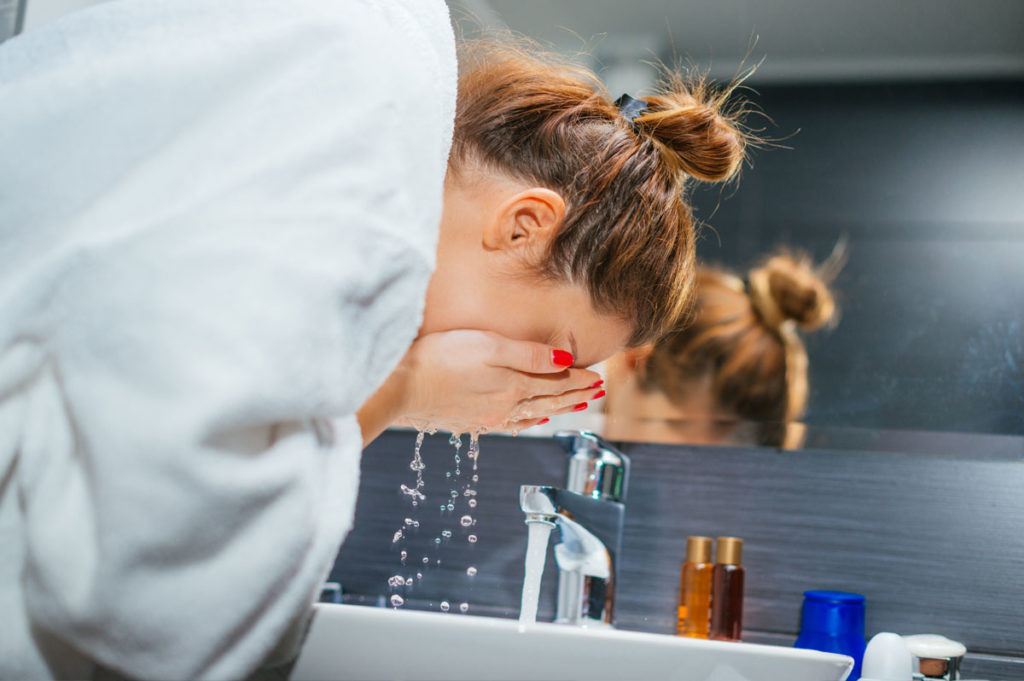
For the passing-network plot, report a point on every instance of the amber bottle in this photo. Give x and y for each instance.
(695, 589)
(727, 590)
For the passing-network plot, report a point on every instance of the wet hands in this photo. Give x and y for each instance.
(466, 380)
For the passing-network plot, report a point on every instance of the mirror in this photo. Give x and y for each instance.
(900, 130)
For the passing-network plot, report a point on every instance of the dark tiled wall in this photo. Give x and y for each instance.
(935, 543)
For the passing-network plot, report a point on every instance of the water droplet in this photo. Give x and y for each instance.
(455, 440)
(450, 507)
(469, 492)
(464, 607)
(397, 600)
(466, 520)
(438, 561)
(443, 507)
(476, 478)
(471, 571)
(396, 581)
(445, 606)
(472, 503)
(403, 555)
(417, 465)
(471, 539)
(425, 560)
(454, 494)
(447, 534)
(448, 474)
(437, 540)
(398, 535)
(419, 575)
(408, 582)
(415, 494)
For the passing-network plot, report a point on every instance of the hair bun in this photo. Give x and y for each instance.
(788, 287)
(688, 122)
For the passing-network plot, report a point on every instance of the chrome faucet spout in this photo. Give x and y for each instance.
(538, 503)
(590, 516)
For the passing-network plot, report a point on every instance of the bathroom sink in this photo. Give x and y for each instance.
(359, 642)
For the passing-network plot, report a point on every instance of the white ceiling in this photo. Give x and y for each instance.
(800, 40)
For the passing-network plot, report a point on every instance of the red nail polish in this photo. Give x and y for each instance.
(580, 407)
(598, 384)
(562, 358)
(543, 421)
(599, 394)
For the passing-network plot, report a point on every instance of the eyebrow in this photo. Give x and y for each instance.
(572, 346)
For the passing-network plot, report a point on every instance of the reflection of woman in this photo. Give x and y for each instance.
(738, 358)
(235, 247)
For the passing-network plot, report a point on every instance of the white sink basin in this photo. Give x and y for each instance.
(358, 642)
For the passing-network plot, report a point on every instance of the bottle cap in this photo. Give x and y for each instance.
(698, 549)
(938, 656)
(835, 613)
(934, 646)
(729, 551)
(887, 659)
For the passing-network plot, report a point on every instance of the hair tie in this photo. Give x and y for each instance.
(630, 109)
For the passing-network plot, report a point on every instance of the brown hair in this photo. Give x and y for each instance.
(743, 337)
(628, 234)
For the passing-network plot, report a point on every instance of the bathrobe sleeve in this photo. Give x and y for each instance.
(218, 222)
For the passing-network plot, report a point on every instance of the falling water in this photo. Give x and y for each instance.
(536, 553)
(417, 465)
(415, 495)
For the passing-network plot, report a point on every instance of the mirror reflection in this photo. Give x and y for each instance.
(898, 133)
(738, 357)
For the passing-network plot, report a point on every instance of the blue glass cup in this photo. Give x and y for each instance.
(833, 622)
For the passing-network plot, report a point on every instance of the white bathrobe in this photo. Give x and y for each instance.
(217, 223)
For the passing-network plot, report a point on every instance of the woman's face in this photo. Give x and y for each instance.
(492, 228)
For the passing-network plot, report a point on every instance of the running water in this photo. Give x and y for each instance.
(417, 465)
(474, 449)
(415, 495)
(536, 553)
(460, 489)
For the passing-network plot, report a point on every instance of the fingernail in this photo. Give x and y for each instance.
(599, 394)
(561, 358)
(543, 421)
(580, 407)
(598, 384)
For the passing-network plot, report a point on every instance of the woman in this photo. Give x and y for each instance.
(736, 369)
(236, 247)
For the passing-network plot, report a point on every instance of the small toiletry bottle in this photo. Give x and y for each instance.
(695, 589)
(886, 658)
(727, 590)
(937, 656)
(833, 622)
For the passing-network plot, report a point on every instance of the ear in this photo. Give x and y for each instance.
(628, 364)
(636, 360)
(527, 220)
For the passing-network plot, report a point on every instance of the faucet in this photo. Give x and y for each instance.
(590, 515)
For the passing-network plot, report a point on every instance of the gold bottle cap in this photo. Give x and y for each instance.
(729, 551)
(698, 549)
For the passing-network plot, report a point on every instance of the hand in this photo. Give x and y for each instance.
(466, 380)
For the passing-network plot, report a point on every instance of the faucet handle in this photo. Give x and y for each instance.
(596, 468)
